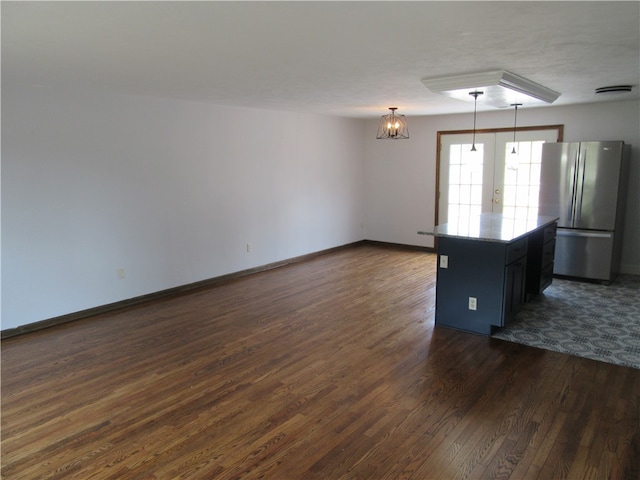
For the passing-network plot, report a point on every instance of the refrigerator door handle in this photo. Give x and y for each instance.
(572, 188)
(579, 185)
(570, 233)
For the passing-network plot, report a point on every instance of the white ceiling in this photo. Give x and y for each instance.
(350, 59)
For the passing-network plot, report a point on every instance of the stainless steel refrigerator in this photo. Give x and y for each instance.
(584, 184)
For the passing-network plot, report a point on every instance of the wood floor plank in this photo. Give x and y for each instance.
(329, 368)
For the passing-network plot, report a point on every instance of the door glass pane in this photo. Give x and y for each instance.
(522, 179)
(465, 182)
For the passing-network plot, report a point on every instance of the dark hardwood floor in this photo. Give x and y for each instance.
(326, 369)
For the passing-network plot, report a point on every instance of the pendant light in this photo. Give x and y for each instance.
(515, 123)
(475, 94)
(392, 126)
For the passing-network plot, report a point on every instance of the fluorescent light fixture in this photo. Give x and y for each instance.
(501, 88)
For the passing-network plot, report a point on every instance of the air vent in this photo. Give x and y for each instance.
(613, 89)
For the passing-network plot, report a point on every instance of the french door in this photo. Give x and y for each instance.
(500, 176)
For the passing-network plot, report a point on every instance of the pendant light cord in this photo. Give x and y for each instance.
(475, 95)
(515, 123)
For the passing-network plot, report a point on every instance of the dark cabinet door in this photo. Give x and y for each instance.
(514, 295)
(540, 258)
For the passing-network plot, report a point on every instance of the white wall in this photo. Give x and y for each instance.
(401, 175)
(169, 191)
(172, 191)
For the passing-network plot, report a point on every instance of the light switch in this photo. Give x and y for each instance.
(444, 261)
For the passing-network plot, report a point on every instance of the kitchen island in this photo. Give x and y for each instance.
(488, 267)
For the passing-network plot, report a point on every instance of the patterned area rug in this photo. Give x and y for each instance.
(601, 322)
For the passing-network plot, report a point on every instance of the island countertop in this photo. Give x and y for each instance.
(491, 227)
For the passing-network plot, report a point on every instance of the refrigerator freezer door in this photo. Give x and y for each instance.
(598, 182)
(557, 181)
(584, 253)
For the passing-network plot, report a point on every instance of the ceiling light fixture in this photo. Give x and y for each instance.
(515, 125)
(392, 126)
(475, 94)
(501, 88)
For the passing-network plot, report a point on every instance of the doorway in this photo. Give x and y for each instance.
(501, 176)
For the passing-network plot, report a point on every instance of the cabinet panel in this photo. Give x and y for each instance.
(475, 269)
(514, 294)
(540, 258)
(548, 252)
(546, 277)
(549, 233)
(516, 250)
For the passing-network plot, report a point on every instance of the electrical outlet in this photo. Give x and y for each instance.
(473, 303)
(121, 274)
(249, 248)
(444, 261)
